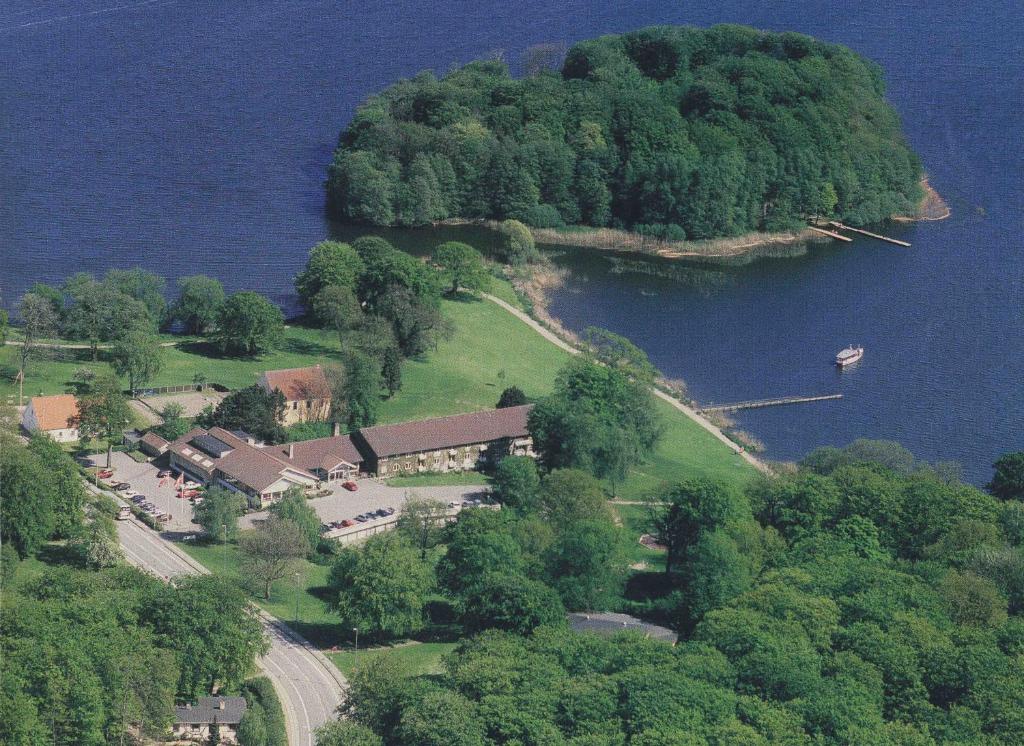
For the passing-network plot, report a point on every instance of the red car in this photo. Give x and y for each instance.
(105, 473)
(350, 486)
(348, 522)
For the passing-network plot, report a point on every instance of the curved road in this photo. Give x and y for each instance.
(309, 686)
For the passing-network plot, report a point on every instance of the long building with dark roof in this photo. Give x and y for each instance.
(455, 443)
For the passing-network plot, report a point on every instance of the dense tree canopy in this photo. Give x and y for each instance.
(673, 131)
(248, 324)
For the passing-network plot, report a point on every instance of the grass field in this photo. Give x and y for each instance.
(635, 520)
(457, 478)
(414, 658)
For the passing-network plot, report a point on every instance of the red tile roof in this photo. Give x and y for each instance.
(447, 432)
(298, 383)
(55, 412)
(155, 441)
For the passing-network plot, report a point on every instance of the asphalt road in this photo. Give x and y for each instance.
(309, 686)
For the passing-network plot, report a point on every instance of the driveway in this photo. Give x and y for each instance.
(144, 480)
(192, 402)
(373, 495)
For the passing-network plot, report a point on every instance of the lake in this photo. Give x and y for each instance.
(193, 137)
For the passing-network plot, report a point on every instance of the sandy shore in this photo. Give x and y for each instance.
(932, 206)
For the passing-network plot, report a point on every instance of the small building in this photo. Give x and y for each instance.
(193, 722)
(456, 443)
(219, 457)
(307, 394)
(54, 415)
(153, 445)
(608, 623)
(333, 459)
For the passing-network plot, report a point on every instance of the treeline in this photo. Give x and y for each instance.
(673, 131)
(95, 652)
(862, 598)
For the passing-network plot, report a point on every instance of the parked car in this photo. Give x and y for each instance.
(350, 486)
(164, 473)
(137, 499)
(389, 510)
(382, 513)
(192, 485)
(105, 473)
(362, 518)
(124, 513)
(347, 522)
(189, 494)
(122, 486)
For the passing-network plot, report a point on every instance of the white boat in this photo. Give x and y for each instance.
(849, 355)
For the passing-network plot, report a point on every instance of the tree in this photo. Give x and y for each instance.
(252, 729)
(248, 324)
(513, 396)
(138, 356)
(198, 305)
(142, 286)
(219, 512)
(569, 495)
(337, 307)
(511, 602)
(38, 321)
(100, 312)
(1008, 480)
(97, 544)
(254, 410)
(211, 626)
(461, 265)
(618, 352)
(516, 484)
(294, 507)
(587, 564)
(346, 733)
(519, 246)
(27, 497)
(174, 423)
(421, 522)
(685, 511)
(441, 718)
(330, 264)
(104, 412)
(479, 543)
(68, 494)
(381, 587)
(599, 419)
(270, 551)
(362, 390)
(3, 326)
(391, 370)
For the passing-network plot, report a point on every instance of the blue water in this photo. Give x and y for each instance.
(193, 137)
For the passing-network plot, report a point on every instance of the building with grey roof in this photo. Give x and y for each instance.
(193, 722)
(608, 623)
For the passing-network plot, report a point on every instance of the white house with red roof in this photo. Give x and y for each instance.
(54, 415)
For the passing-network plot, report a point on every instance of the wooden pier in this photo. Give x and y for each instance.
(830, 234)
(840, 226)
(758, 403)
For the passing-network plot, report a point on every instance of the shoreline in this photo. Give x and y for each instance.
(748, 246)
(552, 330)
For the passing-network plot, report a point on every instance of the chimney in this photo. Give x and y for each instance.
(336, 431)
(220, 704)
(188, 705)
(291, 450)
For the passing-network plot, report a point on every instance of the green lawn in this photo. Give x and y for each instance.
(635, 520)
(489, 351)
(457, 478)
(315, 622)
(414, 658)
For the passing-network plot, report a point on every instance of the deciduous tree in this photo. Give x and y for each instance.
(461, 265)
(198, 304)
(248, 324)
(138, 356)
(270, 551)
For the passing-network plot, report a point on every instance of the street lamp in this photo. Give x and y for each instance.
(356, 630)
(225, 527)
(296, 602)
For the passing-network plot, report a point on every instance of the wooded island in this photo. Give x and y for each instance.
(669, 131)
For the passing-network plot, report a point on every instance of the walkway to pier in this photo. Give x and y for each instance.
(758, 403)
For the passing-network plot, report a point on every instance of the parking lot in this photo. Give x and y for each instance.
(144, 480)
(372, 495)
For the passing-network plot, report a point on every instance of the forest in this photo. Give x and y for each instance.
(861, 598)
(678, 132)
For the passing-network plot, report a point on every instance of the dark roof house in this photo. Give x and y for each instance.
(223, 710)
(446, 432)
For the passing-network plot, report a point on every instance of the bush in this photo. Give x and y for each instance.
(543, 216)
(260, 691)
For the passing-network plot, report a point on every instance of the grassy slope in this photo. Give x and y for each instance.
(414, 658)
